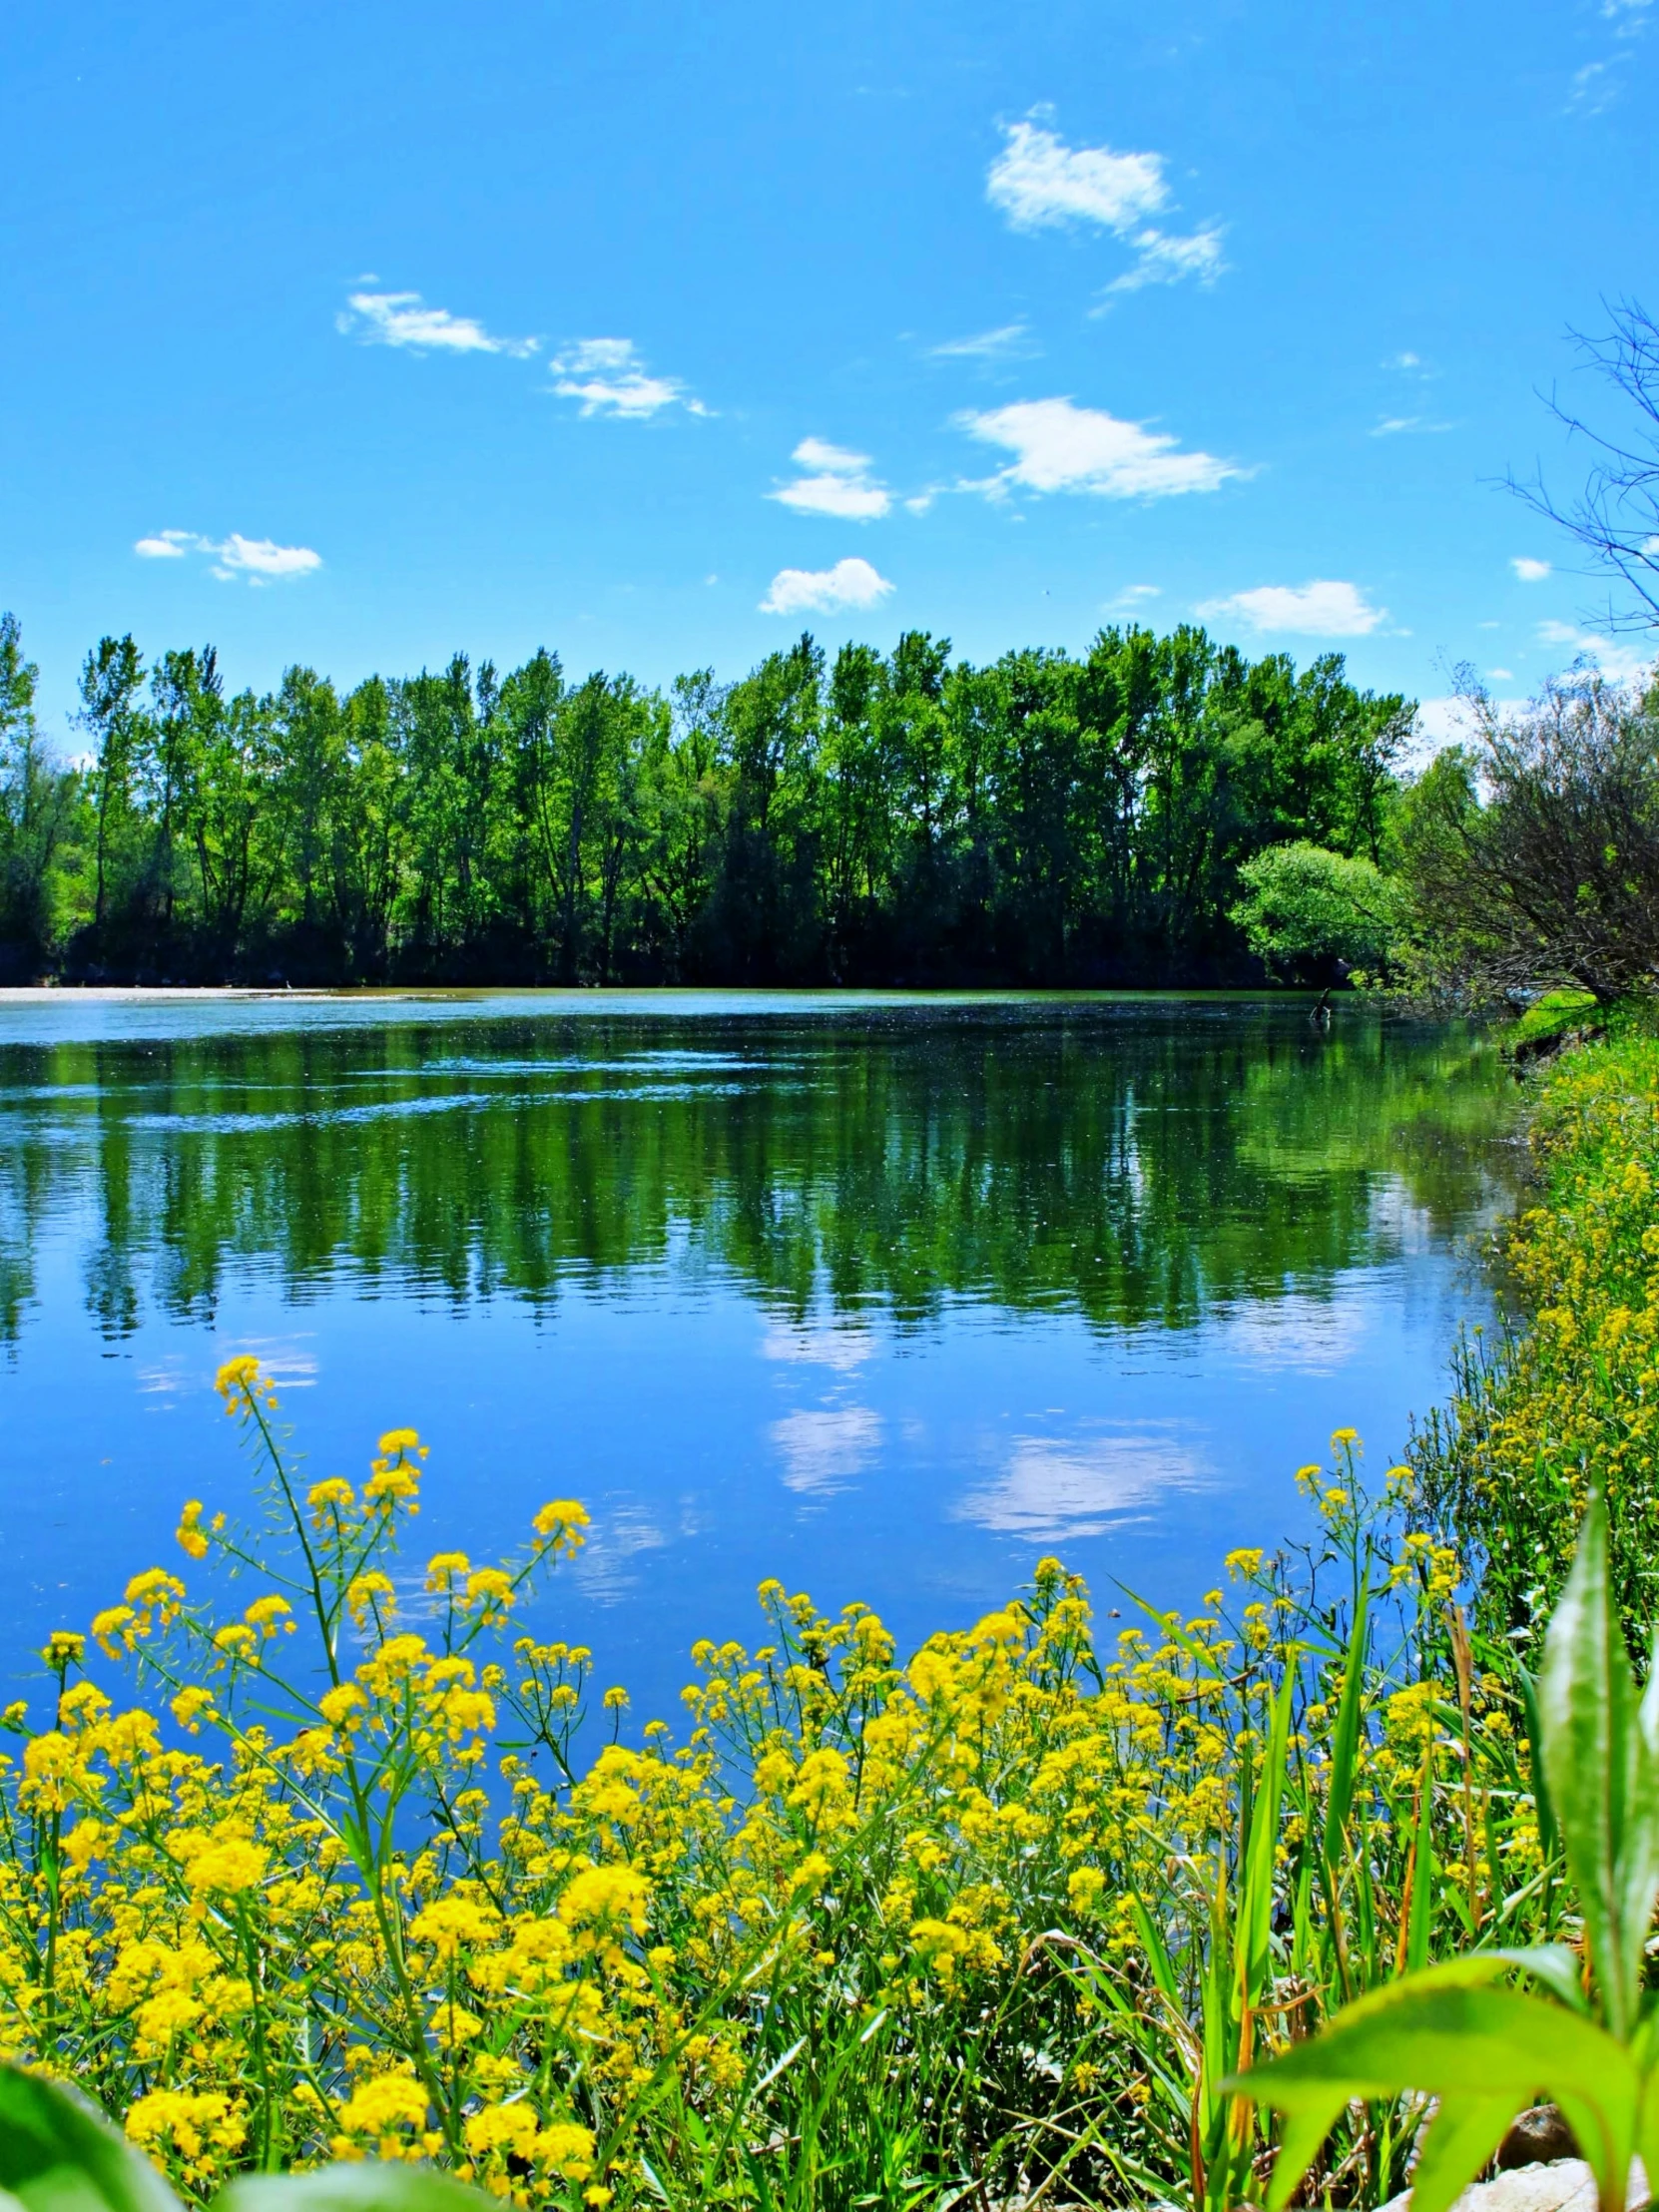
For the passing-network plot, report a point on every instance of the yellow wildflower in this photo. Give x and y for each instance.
(230, 1866)
(560, 1527)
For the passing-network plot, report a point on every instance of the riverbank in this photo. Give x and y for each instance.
(1565, 1405)
(994, 1921)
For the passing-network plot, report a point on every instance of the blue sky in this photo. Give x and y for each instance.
(360, 335)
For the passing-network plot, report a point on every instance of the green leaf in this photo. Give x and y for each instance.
(1304, 2132)
(1556, 1965)
(1548, 1832)
(58, 2153)
(1421, 1925)
(1601, 1757)
(1463, 2135)
(1344, 1742)
(1261, 1858)
(1448, 2033)
(365, 2185)
(1157, 1950)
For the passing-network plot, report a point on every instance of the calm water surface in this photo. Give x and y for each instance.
(885, 1297)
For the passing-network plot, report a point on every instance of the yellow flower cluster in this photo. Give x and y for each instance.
(363, 1899)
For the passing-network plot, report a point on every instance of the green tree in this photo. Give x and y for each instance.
(1306, 910)
(310, 736)
(111, 678)
(37, 806)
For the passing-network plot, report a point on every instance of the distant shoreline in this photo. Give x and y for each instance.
(27, 994)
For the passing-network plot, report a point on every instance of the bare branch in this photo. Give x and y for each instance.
(1616, 516)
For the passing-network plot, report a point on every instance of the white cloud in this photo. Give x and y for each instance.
(403, 318)
(1053, 1489)
(1165, 260)
(608, 376)
(1040, 183)
(1012, 340)
(824, 1451)
(1623, 663)
(1529, 570)
(1404, 361)
(838, 484)
(1594, 90)
(1441, 722)
(260, 560)
(1132, 596)
(819, 453)
(1502, 675)
(851, 583)
(264, 557)
(1322, 609)
(1059, 446)
(1393, 426)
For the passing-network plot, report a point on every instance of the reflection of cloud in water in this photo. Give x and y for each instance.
(164, 1378)
(1058, 1487)
(288, 1360)
(823, 1450)
(832, 1346)
(602, 1566)
(1312, 1334)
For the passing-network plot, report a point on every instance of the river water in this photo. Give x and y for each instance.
(883, 1296)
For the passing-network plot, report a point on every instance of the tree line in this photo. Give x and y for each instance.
(910, 818)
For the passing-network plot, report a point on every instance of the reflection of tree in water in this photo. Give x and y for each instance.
(1131, 1163)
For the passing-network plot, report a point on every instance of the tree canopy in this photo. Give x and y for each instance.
(906, 818)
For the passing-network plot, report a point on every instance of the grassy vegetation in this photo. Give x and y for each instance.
(1567, 1406)
(996, 1923)
(1551, 1019)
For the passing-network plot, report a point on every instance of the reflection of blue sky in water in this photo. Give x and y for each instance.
(824, 1325)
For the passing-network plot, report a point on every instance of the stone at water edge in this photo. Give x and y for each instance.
(1539, 2135)
(1561, 2185)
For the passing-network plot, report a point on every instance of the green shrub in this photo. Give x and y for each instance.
(1304, 909)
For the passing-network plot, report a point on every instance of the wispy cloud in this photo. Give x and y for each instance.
(1394, 426)
(236, 558)
(850, 583)
(1012, 342)
(1527, 570)
(1040, 183)
(838, 483)
(1623, 663)
(1322, 609)
(1059, 446)
(403, 318)
(608, 376)
(1162, 260)
(1593, 88)
(1131, 597)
